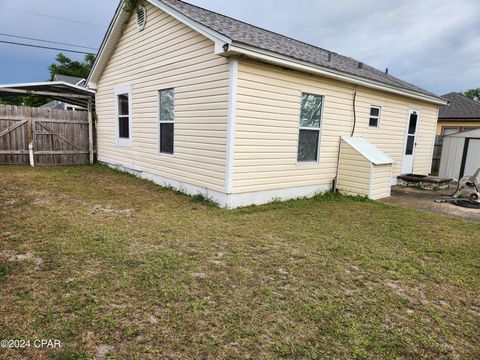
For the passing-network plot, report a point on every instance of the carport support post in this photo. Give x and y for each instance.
(31, 156)
(90, 130)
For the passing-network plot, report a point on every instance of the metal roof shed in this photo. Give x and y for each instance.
(58, 90)
(363, 169)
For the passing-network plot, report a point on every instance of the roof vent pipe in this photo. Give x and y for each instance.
(386, 71)
(329, 56)
(360, 65)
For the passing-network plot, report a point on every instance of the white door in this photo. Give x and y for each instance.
(410, 142)
(472, 160)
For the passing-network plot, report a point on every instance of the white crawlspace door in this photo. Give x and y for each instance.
(410, 142)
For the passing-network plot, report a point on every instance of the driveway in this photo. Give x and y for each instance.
(425, 200)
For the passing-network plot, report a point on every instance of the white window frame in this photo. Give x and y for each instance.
(319, 129)
(377, 117)
(123, 90)
(160, 121)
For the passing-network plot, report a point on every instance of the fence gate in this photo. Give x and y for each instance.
(56, 137)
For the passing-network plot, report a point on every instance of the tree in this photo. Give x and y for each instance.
(473, 94)
(63, 66)
(66, 66)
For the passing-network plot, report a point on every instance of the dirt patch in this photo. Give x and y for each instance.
(414, 295)
(102, 351)
(425, 200)
(14, 256)
(109, 210)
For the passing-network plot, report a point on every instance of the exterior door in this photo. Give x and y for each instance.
(410, 142)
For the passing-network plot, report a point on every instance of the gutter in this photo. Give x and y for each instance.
(225, 46)
(277, 59)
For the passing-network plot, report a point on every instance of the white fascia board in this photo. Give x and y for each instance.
(115, 27)
(213, 35)
(286, 61)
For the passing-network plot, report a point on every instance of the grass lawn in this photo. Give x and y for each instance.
(118, 268)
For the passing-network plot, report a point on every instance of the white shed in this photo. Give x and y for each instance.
(363, 169)
(460, 154)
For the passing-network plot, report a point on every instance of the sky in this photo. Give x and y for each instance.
(434, 44)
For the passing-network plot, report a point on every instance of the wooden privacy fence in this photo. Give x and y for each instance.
(43, 136)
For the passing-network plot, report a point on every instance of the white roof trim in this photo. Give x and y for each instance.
(282, 60)
(235, 48)
(368, 150)
(116, 26)
(202, 29)
(100, 61)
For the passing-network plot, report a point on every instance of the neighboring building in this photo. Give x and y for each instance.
(60, 105)
(207, 104)
(461, 114)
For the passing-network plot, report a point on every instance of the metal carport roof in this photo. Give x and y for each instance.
(57, 90)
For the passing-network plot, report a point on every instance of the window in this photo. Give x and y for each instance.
(166, 120)
(450, 130)
(124, 119)
(310, 122)
(374, 117)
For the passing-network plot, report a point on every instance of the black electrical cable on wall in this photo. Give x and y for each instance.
(354, 112)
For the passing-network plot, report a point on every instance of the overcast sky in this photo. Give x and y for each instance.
(434, 44)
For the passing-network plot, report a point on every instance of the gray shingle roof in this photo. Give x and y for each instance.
(460, 107)
(244, 33)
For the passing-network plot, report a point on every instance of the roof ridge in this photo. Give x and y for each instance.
(255, 26)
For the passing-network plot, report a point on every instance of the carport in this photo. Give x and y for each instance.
(20, 126)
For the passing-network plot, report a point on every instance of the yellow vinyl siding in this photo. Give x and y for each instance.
(168, 54)
(380, 181)
(268, 111)
(353, 172)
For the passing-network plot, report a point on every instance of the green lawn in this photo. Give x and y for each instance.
(117, 267)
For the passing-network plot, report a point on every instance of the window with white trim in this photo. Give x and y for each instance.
(374, 117)
(123, 97)
(309, 130)
(166, 121)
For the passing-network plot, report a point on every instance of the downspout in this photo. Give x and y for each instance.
(335, 181)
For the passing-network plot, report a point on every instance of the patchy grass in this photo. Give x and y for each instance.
(116, 267)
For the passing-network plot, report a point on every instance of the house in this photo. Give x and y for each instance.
(60, 105)
(461, 115)
(201, 102)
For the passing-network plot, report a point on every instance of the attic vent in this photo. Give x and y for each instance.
(141, 17)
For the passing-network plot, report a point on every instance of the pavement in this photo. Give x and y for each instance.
(424, 200)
